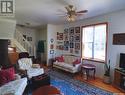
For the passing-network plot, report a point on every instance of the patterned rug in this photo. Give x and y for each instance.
(69, 86)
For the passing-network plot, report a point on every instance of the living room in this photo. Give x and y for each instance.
(38, 26)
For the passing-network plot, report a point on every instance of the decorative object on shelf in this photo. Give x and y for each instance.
(71, 50)
(107, 78)
(77, 37)
(77, 29)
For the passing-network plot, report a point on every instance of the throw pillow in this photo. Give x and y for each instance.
(60, 59)
(6, 75)
(77, 61)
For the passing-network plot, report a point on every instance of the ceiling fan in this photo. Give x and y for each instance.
(72, 13)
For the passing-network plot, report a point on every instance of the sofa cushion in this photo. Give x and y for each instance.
(77, 61)
(7, 75)
(60, 59)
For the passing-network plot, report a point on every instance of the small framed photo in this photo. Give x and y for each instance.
(29, 38)
(66, 31)
(77, 29)
(77, 38)
(77, 46)
(71, 45)
(51, 51)
(71, 31)
(71, 38)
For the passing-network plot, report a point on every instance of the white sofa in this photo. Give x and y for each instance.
(15, 87)
(67, 65)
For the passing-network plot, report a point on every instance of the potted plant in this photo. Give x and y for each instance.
(107, 73)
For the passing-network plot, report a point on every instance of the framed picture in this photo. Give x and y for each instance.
(77, 38)
(77, 29)
(71, 45)
(66, 38)
(61, 47)
(65, 31)
(51, 51)
(71, 38)
(71, 31)
(66, 45)
(59, 36)
(51, 46)
(29, 38)
(77, 46)
(76, 51)
(71, 50)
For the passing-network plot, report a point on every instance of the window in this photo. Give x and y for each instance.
(94, 42)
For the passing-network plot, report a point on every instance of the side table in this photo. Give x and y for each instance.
(87, 68)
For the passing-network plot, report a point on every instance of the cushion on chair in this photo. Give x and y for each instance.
(25, 63)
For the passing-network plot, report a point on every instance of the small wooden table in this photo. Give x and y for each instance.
(46, 90)
(87, 68)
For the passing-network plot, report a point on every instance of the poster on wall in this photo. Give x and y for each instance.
(66, 45)
(71, 31)
(77, 29)
(77, 37)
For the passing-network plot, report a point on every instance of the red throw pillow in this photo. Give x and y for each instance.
(77, 61)
(6, 75)
(60, 59)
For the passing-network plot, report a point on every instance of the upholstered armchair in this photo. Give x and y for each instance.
(31, 70)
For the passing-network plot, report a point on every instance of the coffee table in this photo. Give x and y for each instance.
(46, 90)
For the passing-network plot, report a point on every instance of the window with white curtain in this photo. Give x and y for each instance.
(94, 42)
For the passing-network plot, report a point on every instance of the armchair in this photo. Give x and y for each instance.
(31, 70)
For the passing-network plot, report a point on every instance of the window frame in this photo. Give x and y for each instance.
(92, 59)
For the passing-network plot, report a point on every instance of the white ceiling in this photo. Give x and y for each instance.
(39, 12)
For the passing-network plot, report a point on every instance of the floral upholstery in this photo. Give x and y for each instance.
(15, 87)
(26, 64)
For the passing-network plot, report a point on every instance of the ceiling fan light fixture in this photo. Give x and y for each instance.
(71, 18)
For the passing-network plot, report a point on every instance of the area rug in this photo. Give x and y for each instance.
(69, 86)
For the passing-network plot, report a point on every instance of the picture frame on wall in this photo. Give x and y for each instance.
(71, 45)
(59, 36)
(66, 45)
(66, 31)
(29, 38)
(51, 51)
(77, 46)
(77, 29)
(77, 38)
(71, 38)
(71, 31)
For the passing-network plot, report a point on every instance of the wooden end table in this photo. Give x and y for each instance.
(46, 90)
(87, 68)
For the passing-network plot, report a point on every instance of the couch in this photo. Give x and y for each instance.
(68, 63)
(15, 87)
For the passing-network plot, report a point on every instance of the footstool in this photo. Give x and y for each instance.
(40, 80)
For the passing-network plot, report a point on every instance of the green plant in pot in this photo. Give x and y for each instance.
(107, 73)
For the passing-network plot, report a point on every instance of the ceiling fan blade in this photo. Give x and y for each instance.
(83, 11)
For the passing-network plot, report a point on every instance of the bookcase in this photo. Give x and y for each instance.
(119, 79)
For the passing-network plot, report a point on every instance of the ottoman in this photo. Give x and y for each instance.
(40, 80)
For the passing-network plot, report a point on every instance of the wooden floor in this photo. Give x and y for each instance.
(98, 83)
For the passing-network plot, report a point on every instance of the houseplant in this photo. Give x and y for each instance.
(107, 73)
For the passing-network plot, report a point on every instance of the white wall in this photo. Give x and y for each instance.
(7, 28)
(116, 24)
(51, 34)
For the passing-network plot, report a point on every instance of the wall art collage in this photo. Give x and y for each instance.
(72, 39)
